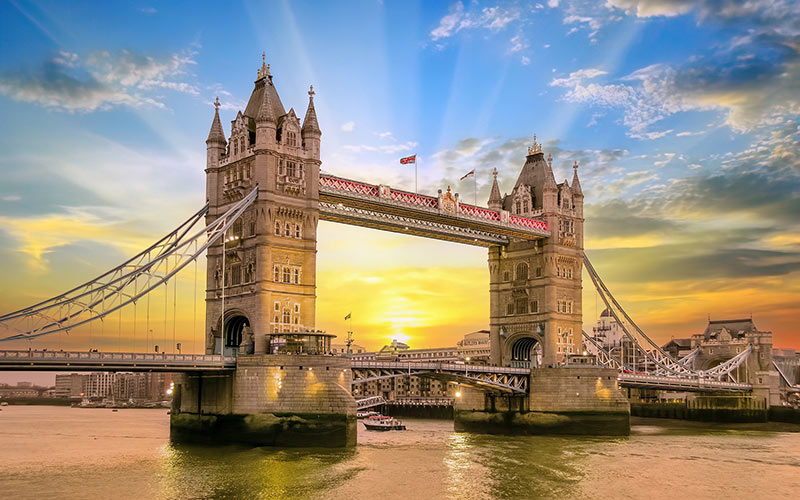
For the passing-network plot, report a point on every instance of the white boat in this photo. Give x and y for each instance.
(384, 424)
(367, 414)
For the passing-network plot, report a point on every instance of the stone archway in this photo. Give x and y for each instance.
(523, 350)
(235, 324)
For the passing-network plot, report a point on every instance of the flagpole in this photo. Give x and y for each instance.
(475, 178)
(415, 174)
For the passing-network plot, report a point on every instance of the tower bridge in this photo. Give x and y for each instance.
(265, 197)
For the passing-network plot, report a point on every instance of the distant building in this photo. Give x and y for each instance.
(476, 346)
(340, 349)
(70, 385)
(678, 348)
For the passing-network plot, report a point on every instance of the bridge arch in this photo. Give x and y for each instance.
(524, 350)
(235, 323)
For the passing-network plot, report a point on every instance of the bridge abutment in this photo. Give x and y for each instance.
(269, 400)
(569, 400)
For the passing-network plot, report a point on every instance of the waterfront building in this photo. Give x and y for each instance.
(70, 385)
(475, 347)
(341, 349)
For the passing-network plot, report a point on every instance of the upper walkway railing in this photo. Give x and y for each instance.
(444, 367)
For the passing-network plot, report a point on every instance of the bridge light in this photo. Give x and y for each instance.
(309, 368)
(458, 394)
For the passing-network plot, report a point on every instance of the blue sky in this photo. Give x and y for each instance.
(683, 116)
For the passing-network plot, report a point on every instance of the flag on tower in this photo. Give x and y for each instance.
(408, 159)
(348, 316)
(471, 172)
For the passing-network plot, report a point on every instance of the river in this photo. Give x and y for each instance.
(71, 453)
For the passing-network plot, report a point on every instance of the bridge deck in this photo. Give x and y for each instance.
(28, 360)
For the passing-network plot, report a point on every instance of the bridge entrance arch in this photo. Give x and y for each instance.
(524, 350)
(235, 324)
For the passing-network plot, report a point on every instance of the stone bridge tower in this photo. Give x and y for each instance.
(265, 282)
(535, 286)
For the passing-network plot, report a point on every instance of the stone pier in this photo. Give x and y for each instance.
(269, 400)
(576, 400)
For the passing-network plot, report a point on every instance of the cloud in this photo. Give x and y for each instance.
(100, 82)
(386, 148)
(494, 18)
(148, 10)
(518, 43)
(11, 197)
(525, 60)
(348, 126)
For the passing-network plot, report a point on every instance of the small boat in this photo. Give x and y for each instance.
(367, 414)
(383, 424)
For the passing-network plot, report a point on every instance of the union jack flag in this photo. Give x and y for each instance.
(408, 159)
(471, 172)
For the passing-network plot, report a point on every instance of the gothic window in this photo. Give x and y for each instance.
(296, 308)
(522, 271)
(506, 276)
(237, 228)
(275, 326)
(277, 228)
(280, 167)
(538, 272)
(276, 274)
(510, 308)
(291, 169)
(525, 206)
(287, 315)
(296, 275)
(287, 275)
(236, 147)
(297, 230)
(216, 278)
(277, 309)
(569, 272)
(519, 207)
(248, 273)
(522, 305)
(534, 306)
(236, 274)
(288, 230)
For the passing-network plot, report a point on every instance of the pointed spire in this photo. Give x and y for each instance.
(576, 185)
(216, 134)
(266, 112)
(495, 201)
(310, 124)
(549, 178)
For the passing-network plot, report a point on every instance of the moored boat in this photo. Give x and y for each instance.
(384, 424)
(367, 414)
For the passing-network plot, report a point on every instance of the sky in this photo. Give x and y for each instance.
(683, 115)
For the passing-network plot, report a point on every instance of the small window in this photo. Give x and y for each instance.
(277, 228)
(287, 233)
(506, 276)
(510, 309)
(277, 308)
(287, 278)
(296, 308)
(297, 230)
(538, 272)
(276, 275)
(534, 306)
(522, 306)
(296, 275)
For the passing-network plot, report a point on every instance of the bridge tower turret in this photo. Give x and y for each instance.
(535, 286)
(265, 281)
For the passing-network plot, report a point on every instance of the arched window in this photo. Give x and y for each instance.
(519, 207)
(288, 230)
(522, 271)
(287, 315)
(296, 275)
(277, 228)
(277, 273)
(525, 206)
(287, 278)
(297, 230)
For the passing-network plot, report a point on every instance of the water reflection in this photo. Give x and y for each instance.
(232, 472)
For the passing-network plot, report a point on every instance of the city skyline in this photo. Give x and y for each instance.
(689, 157)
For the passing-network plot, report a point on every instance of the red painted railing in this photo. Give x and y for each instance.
(414, 199)
(347, 185)
(483, 213)
(531, 223)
